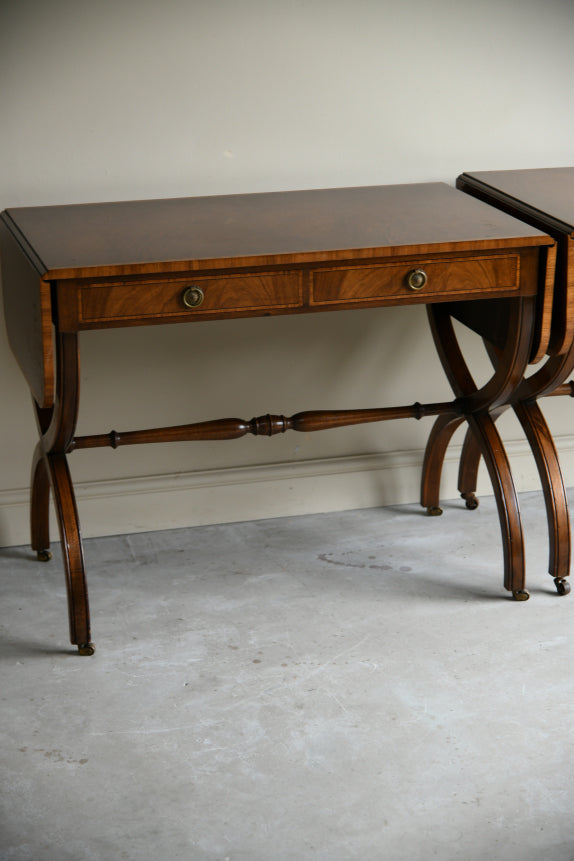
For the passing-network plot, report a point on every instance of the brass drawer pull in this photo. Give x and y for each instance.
(416, 279)
(192, 296)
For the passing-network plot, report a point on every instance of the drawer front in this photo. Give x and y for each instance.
(448, 278)
(219, 296)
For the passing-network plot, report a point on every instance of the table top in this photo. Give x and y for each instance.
(252, 251)
(544, 197)
(277, 228)
(548, 192)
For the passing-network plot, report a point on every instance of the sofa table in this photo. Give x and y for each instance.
(543, 198)
(71, 268)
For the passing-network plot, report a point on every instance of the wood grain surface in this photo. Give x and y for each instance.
(282, 227)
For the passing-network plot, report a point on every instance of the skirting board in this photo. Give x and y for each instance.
(147, 504)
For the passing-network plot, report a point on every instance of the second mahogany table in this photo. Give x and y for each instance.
(544, 198)
(70, 268)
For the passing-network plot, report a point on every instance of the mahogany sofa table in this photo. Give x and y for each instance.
(543, 198)
(76, 267)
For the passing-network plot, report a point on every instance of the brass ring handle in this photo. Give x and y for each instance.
(416, 279)
(192, 297)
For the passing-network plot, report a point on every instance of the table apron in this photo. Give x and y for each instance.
(96, 304)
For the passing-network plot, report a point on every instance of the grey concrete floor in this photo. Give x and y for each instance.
(342, 686)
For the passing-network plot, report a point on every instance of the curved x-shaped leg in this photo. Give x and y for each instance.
(50, 471)
(482, 440)
(546, 458)
(492, 450)
(480, 407)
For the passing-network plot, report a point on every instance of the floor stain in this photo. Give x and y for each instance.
(58, 756)
(327, 557)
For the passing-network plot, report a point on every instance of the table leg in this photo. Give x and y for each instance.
(544, 451)
(545, 455)
(437, 445)
(482, 440)
(467, 474)
(39, 506)
(50, 470)
(492, 450)
(72, 552)
(468, 470)
(480, 409)
(555, 499)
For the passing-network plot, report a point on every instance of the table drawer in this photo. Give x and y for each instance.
(132, 301)
(459, 276)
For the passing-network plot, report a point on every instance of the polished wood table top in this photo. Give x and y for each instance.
(543, 198)
(281, 253)
(93, 266)
(546, 193)
(277, 228)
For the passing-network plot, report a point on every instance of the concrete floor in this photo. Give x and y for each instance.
(342, 686)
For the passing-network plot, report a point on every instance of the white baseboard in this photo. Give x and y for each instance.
(120, 506)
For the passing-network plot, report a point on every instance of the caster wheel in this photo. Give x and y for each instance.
(43, 555)
(521, 595)
(434, 511)
(471, 501)
(562, 586)
(86, 649)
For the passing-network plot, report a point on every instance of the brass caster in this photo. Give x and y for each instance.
(562, 586)
(471, 501)
(434, 511)
(520, 595)
(43, 555)
(86, 648)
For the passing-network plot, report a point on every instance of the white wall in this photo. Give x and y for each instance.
(108, 100)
